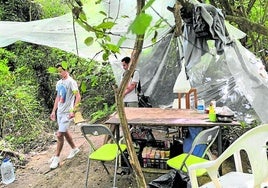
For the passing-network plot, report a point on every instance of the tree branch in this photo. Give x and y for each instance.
(250, 5)
(246, 25)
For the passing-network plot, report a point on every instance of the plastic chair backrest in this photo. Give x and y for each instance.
(206, 137)
(254, 143)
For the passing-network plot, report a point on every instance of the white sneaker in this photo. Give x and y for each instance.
(73, 153)
(55, 162)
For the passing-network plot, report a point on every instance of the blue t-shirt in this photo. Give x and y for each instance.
(66, 92)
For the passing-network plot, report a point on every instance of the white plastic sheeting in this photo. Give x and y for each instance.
(59, 32)
(235, 78)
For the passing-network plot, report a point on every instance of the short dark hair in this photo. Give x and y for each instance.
(59, 65)
(126, 60)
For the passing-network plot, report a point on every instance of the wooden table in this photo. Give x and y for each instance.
(169, 117)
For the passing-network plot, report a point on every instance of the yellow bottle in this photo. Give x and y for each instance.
(212, 113)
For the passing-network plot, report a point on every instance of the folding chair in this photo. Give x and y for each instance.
(106, 152)
(182, 161)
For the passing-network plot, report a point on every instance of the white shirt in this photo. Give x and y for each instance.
(133, 95)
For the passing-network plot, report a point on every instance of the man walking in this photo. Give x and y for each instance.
(65, 104)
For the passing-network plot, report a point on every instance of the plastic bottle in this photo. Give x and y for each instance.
(144, 156)
(201, 106)
(157, 158)
(212, 113)
(7, 171)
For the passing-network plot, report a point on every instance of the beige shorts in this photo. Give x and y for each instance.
(63, 121)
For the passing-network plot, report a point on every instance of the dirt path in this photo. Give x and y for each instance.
(70, 173)
(37, 169)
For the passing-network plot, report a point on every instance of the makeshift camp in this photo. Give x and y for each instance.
(220, 68)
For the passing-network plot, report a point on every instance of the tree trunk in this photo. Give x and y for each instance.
(120, 105)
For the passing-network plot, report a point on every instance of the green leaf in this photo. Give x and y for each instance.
(89, 41)
(125, 16)
(3, 68)
(87, 27)
(108, 38)
(149, 4)
(121, 40)
(106, 25)
(103, 13)
(140, 24)
(83, 87)
(83, 16)
(113, 48)
(105, 56)
(52, 70)
(99, 34)
(64, 65)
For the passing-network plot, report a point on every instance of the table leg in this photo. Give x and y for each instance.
(220, 147)
(117, 132)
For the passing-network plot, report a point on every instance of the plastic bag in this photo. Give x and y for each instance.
(172, 179)
(141, 133)
(144, 101)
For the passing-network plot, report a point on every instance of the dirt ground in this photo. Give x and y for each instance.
(70, 173)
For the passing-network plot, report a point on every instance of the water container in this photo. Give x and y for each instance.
(201, 106)
(7, 171)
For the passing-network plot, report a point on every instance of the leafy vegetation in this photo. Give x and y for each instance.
(20, 10)
(19, 105)
(28, 89)
(251, 17)
(52, 8)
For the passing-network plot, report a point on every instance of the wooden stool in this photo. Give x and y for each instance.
(187, 98)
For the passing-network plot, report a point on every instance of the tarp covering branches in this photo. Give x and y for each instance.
(220, 68)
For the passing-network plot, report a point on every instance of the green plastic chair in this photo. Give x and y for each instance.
(106, 152)
(182, 161)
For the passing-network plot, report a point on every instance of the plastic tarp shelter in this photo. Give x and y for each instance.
(234, 78)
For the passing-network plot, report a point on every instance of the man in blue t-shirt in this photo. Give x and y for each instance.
(66, 102)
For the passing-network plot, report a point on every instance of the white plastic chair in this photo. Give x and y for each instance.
(254, 143)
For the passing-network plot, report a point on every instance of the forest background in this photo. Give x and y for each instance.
(28, 88)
